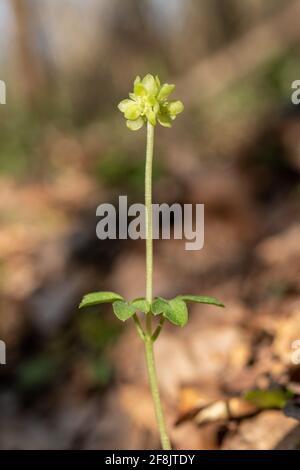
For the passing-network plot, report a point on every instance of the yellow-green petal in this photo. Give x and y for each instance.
(149, 84)
(132, 111)
(139, 89)
(151, 116)
(124, 104)
(165, 91)
(135, 125)
(175, 107)
(164, 120)
(157, 80)
(149, 103)
(156, 107)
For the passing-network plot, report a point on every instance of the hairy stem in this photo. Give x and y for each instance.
(165, 442)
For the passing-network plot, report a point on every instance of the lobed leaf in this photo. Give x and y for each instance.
(159, 306)
(141, 304)
(178, 313)
(123, 310)
(174, 310)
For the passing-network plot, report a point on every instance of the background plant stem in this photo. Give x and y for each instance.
(165, 442)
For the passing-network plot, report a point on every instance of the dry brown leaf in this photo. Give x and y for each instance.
(192, 399)
(225, 410)
(288, 330)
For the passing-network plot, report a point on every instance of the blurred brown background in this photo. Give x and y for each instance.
(76, 379)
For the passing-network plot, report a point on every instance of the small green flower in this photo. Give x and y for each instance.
(148, 102)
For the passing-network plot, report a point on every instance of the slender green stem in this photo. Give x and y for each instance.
(148, 206)
(158, 329)
(139, 327)
(165, 442)
(148, 341)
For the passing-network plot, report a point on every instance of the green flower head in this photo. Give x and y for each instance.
(148, 102)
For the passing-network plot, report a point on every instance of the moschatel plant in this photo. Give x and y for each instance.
(148, 104)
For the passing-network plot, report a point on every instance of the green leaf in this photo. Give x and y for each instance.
(95, 298)
(123, 310)
(174, 310)
(141, 305)
(165, 91)
(135, 125)
(268, 399)
(201, 299)
(159, 305)
(178, 313)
